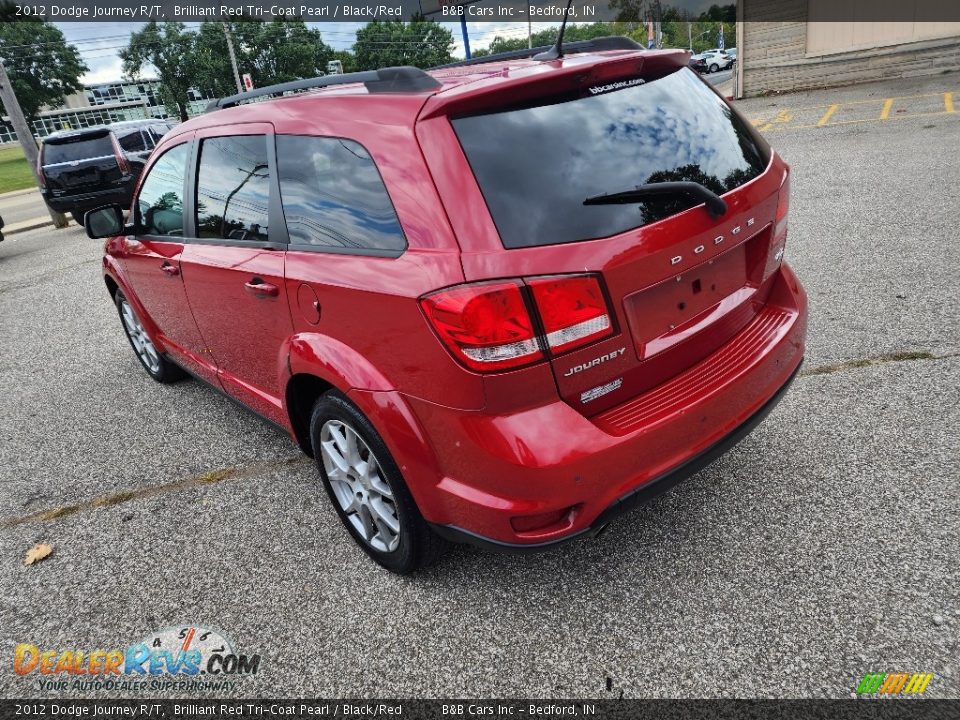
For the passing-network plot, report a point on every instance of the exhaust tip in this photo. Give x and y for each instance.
(600, 531)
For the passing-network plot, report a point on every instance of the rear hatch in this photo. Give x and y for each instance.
(679, 281)
(80, 163)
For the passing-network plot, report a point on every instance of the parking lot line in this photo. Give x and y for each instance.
(827, 115)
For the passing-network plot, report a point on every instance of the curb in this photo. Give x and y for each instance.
(23, 226)
(15, 193)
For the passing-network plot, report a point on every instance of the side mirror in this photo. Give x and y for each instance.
(104, 222)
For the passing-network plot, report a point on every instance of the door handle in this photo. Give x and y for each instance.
(258, 287)
(169, 269)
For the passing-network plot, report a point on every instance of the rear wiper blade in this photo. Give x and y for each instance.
(715, 204)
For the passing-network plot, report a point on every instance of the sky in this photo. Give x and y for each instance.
(99, 42)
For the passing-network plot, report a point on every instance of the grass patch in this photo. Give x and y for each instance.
(866, 362)
(15, 174)
(58, 512)
(215, 476)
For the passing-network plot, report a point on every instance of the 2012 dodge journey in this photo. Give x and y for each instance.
(499, 302)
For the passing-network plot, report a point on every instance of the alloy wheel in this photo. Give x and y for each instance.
(357, 482)
(139, 339)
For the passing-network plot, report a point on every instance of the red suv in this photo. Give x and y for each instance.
(500, 302)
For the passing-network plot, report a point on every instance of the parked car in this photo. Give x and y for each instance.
(732, 54)
(711, 61)
(82, 169)
(498, 312)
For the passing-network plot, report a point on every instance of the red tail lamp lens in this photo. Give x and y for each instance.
(121, 158)
(573, 310)
(486, 326)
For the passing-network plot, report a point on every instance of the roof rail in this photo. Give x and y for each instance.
(385, 80)
(610, 42)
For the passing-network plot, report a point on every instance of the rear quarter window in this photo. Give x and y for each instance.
(536, 165)
(131, 140)
(334, 198)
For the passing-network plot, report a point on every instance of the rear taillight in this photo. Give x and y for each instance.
(490, 326)
(40, 178)
(121, 158)
(572, 309)
(487, 327)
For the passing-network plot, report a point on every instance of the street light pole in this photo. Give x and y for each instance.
(25, 136)
(233, 57)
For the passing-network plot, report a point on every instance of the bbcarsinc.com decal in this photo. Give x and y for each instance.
(175, 658)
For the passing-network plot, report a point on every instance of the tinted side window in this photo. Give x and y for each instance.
(131, 141)
(160, 202)
(333, 195)
(233, 188)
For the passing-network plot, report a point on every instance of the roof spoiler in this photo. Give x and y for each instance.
(403, 79)
(610, 42)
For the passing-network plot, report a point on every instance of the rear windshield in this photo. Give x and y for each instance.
(83, 148)
(536, 165)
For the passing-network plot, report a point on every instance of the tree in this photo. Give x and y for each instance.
(272, 52)
(42, 66)
(346, 58)
(421, 43)
(547, 38)
(169, 48)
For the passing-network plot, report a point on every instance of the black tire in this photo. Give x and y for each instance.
(159, 367)
(713, 68)
(77, 216)
(418, 546)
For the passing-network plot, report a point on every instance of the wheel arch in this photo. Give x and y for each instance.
(302, 392)
(112, 285)
(317, 364)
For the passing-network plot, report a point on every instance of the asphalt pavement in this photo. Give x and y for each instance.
(822, 547)
(720, 77)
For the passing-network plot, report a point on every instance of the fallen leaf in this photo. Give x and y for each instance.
(38, 552)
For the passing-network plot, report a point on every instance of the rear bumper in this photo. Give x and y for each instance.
(636, 497)
(88, 201)
(474, 474)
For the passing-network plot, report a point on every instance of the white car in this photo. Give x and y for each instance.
(711, 61)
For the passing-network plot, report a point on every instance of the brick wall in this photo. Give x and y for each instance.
(774, 54)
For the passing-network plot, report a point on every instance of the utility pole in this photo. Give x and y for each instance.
(25, 136)
(233, 57)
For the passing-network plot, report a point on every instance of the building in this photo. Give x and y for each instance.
(105, 103)
(784, 45)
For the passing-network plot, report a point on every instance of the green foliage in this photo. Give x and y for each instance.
(421, 43)
(547, 38)
(272, 52)
(15, 173)
(43, 68)
(170, 49)
(346, 57)
(677, 27)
